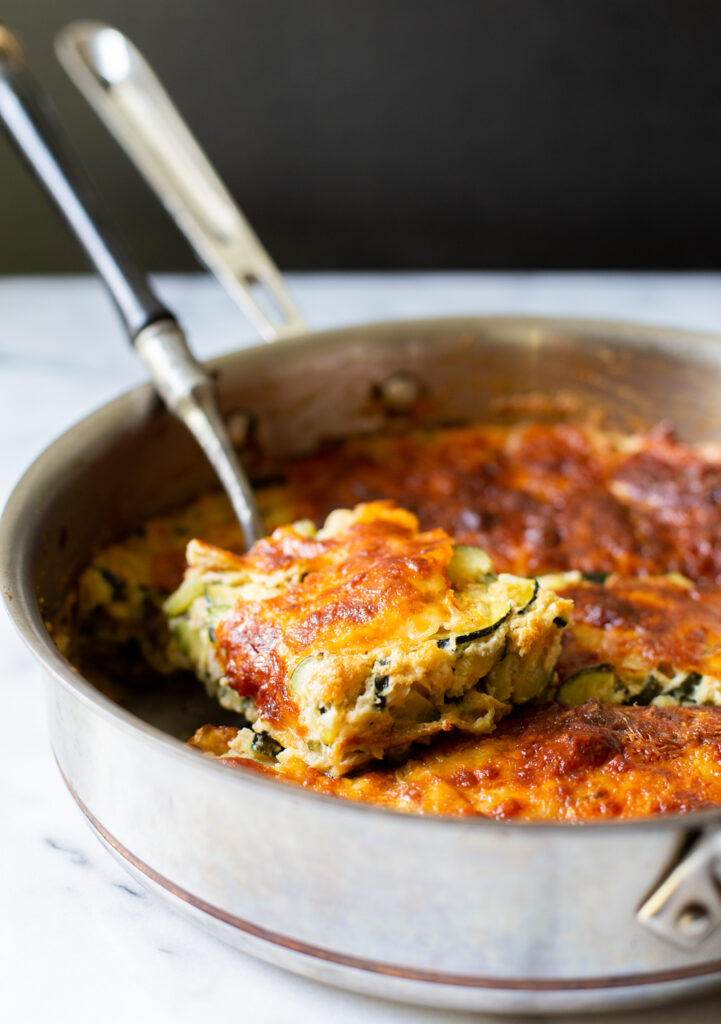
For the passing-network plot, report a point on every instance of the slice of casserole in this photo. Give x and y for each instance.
(655, 640)
(345, 643)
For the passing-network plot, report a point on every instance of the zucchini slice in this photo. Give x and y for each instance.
(469, 565)
(187, 641)
(303, 673)
(264, 746)
(560, 580)
(183, 597)
(683, 691)
(604, 683)
(595, 577)
(532, 597)
(521, 591)
(599, 681)
(647, 694)
(460, 639)
(118, 586)
(680, 580)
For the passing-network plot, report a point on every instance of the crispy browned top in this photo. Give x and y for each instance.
(378, 579)
(647, 623)
(591, 762)
(539, 497)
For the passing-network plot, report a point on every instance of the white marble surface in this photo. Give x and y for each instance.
(78, 939)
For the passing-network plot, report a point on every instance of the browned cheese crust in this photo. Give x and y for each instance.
(644, 624)
(589, 763)
(539, 497)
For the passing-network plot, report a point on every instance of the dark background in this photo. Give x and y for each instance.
(412, 133)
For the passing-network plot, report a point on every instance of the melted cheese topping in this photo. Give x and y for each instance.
(539, 498)
(365, 636)
(639, 625)
(376, 578)
(589, 763)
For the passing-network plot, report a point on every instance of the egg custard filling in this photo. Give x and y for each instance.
(345, 643)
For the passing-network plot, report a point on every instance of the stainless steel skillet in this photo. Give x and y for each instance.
(452, 913)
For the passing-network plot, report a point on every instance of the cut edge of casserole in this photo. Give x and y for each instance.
(650, 640)
(349, 642)
(592, 762)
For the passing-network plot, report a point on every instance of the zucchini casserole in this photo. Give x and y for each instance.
(518, 621)
(345, 643)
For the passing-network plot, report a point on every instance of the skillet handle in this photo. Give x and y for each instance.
(685, 908)
(29, 121)
(119, 84)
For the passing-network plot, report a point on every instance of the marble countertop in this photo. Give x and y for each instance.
(79, 940)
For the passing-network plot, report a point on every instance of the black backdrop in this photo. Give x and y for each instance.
(412, 133)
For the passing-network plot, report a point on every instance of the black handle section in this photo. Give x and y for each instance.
(31, 123)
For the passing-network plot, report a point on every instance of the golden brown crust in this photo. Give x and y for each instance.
(588, 763)
(377, 579)
(647, 623)
(538, 497)
(363, 637)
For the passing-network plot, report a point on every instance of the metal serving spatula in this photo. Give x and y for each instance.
(182, 383)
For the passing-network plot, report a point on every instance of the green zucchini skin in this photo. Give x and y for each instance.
(532, 600)
(458, 640)
(602, 682)
(302, 673)
(380, 685)
(265, 746)
(685, 689)
(595, 577)
(469, 565)
(446, 642)
(647, 695)
(118, 586)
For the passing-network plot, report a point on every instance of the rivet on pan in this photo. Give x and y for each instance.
(239, 424)
(694, 919)
(400, 391)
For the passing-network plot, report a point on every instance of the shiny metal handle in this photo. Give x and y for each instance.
(119, 84)
(685, 908)
(30, 123)
(180, 380)
(191, 394)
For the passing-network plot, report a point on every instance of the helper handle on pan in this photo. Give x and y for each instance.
(119, 84)
(685, 907)
(183, 384)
